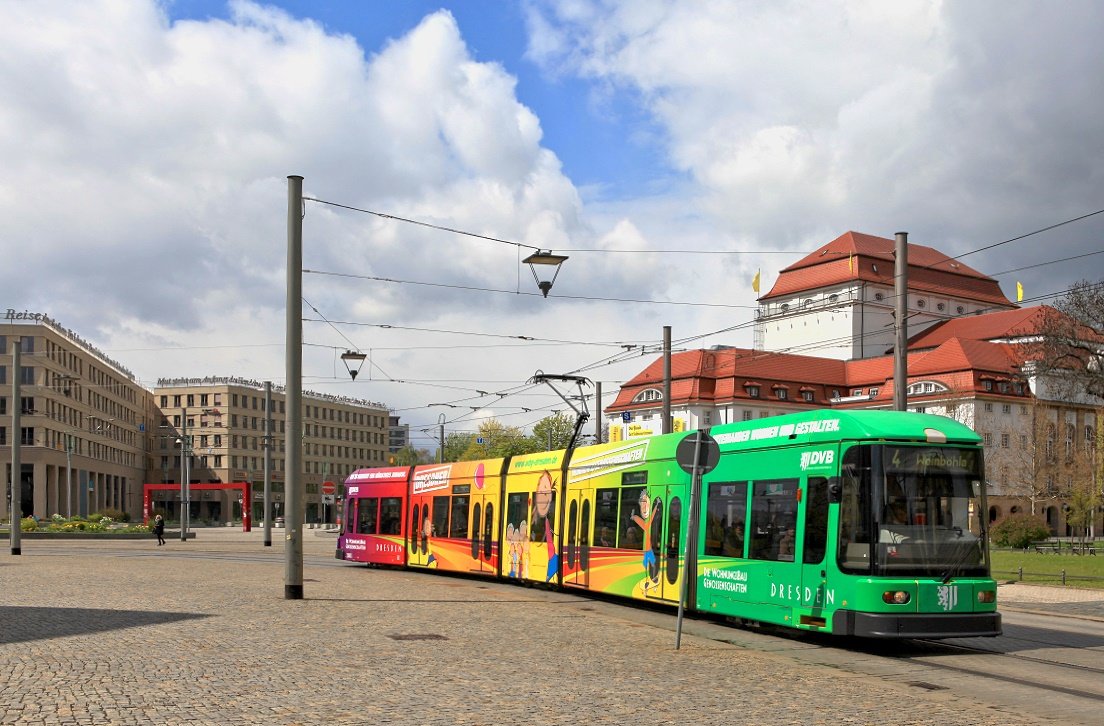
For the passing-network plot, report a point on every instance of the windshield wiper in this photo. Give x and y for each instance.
(966, 551)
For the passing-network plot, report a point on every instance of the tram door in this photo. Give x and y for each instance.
(421, 527)
(577, 538)
(668, 545)
(482, 534)
(814, 544)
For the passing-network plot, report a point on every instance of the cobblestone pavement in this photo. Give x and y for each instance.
(126, 632)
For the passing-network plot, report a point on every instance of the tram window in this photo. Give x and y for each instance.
(424, 530)
(630, 536)
(605, 517)
(655, 542)
(390, 515)
(476, 521)
(816, 521)
(725, 517)
(517, 510)
(854, 533)
(366, 517)
(440, 517)
(584, 541)
(674, 532)
(488, 529)
(541, 516)
(350, 517)
(459, 525)
(572, 529)
(773, 520)
(415, 530)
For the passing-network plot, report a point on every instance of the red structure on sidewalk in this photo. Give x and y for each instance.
(244, 486)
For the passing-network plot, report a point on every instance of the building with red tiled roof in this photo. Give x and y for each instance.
(969, 359)
(844, 293)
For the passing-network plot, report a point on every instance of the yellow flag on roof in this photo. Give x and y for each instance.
(755, 281)
(1019, 291)
(850, 264)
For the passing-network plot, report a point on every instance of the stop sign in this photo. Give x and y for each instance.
(328, 487)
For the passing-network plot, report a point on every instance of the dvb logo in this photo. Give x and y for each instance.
(817, 458)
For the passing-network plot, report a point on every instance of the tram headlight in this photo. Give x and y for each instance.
(987, 596)
(896, 597)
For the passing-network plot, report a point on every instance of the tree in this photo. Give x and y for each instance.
(456, 444)
(553, 432)
(499, 440)
(409, 456)
(1069, 350)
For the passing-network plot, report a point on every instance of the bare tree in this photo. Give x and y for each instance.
(1068, 352)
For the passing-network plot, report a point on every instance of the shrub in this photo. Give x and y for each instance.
(1018, 531)
(116, 515)
(28, 524)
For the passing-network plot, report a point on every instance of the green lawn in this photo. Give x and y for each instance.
(1047, 568)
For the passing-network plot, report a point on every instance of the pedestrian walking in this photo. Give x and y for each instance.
(159, 529)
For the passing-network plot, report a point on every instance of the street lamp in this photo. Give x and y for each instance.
(350, 355)
(549, 265)
(185, 490)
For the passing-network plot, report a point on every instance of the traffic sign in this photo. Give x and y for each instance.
(329, 488)
(327, 498)
(626, 416)
(704, 445)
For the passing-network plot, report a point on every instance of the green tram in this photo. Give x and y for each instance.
(864, 523)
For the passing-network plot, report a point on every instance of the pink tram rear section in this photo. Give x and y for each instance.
(372, 527)
(434, 516)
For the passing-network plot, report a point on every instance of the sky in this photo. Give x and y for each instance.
(669, 149)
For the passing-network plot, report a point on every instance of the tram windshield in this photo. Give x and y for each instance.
(916, 509)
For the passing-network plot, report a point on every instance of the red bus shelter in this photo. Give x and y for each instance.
(244, 486)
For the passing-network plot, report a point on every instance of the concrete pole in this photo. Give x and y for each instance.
(268, 465)
(597, 412)
(900, 349)
(666, 379)
(293, 474)
(185, 504)
(15, 510)
(441, 447)
(69, 475)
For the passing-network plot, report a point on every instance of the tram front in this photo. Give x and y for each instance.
(913, 543)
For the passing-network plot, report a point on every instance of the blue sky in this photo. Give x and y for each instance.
(598, 134)
(147, 145)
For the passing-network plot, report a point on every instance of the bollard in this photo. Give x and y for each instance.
(1021, 573)
(1063, 578)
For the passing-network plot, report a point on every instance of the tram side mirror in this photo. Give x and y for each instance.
(835, 490)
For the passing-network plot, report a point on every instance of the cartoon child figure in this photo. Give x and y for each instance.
(644, 521)
(515, 553)
(427, 533)
(522, 535)
(543, 505)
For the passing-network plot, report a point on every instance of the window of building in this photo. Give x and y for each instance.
(988, 408)
(782, 394)
(940, 307)
(988, 385)
(988, 437)
(27, 405)
(747, 415)
(873, 392)
(176, 400)
(164, 402)
(920, 303)
(26, 436)
(856, 391)
(26, 375)
(648, 395)
(1005, 439)
(753, 391)
(960, 309)
(203, 399)
(807, 395)
(879, 296)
